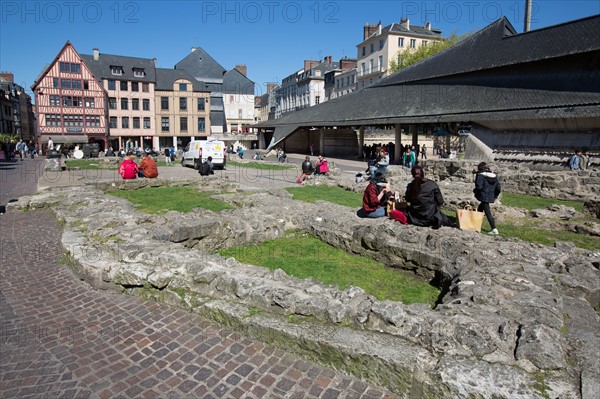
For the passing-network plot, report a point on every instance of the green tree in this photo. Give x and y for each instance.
(407, 57)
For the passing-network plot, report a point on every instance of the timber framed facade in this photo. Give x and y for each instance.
(70, 102)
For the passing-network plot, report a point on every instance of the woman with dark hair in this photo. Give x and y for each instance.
(487, 189)
(424, 198)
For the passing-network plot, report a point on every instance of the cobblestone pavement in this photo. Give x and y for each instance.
(60, 338)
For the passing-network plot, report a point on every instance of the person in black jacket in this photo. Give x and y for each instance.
(424, 198)
(307, 169)
(487, 190)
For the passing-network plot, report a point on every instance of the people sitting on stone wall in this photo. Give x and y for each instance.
(375, 198)
(322, 166)
(207, 167)
(148, 167)
(425, 198)
(128, 168)
(307, 169)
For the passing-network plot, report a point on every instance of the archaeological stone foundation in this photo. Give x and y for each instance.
(515, 319)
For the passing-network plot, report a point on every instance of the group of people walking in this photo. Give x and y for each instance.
(423, 199)
(13, 149)
(579, 161)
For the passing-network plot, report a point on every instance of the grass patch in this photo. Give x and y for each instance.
(337, 195)
(164, 199)
(259, 165)
(530, 202)
(529, 230)
(89, 164)
(302, 256)
(531, 233)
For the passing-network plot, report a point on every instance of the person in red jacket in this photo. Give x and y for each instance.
(372, 198)
(148, 167)
(128, 168)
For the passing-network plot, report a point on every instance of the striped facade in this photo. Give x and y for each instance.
(71, 103)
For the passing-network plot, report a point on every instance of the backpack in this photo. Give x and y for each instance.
(204, 169)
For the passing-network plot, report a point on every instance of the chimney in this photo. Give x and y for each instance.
(405, 22)
(154, 59)
(309, 64)
(7, 76)
(527, 21)
(346, 63)
(428, 25)
(328, 59)
(370, 29)
(242, 68)
(96, 53)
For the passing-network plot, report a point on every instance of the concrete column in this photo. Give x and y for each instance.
(321, 141)
(261, 140)
(398, 143)
(155, 143)
(175, 142)
(415, 135)
(361, 141)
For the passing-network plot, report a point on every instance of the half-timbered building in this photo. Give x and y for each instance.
(70, 102)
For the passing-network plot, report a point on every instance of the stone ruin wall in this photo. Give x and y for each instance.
(499, 325)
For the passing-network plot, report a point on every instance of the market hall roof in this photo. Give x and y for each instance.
(495, 74)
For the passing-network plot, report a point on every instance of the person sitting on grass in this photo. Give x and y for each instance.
(128, 168)
(148, 167)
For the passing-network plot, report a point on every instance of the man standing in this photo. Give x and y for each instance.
(574, 161)
(50, 146)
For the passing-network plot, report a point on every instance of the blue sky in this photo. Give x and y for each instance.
(272, 37)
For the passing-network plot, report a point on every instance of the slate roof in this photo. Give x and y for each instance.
(400, 28)
(102, 67)
(493, 75)
(166, 77)
(202, 66)
(234, 82)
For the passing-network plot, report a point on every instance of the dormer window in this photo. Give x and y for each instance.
(116, 70)
(139, 72)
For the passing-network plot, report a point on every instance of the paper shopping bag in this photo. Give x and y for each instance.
(469, 220)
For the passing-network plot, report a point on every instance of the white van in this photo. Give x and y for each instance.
(198, 150)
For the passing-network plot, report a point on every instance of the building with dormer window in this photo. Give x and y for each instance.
(129, 83)
(70, 101)
(182, 108)
(381, 44)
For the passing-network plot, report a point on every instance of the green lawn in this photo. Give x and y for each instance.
(337, 195)
(163, 199)
(530, 202)
(259, 165)
(303, 255)
(89, 164)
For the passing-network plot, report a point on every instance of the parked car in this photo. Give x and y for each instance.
(464, 132)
